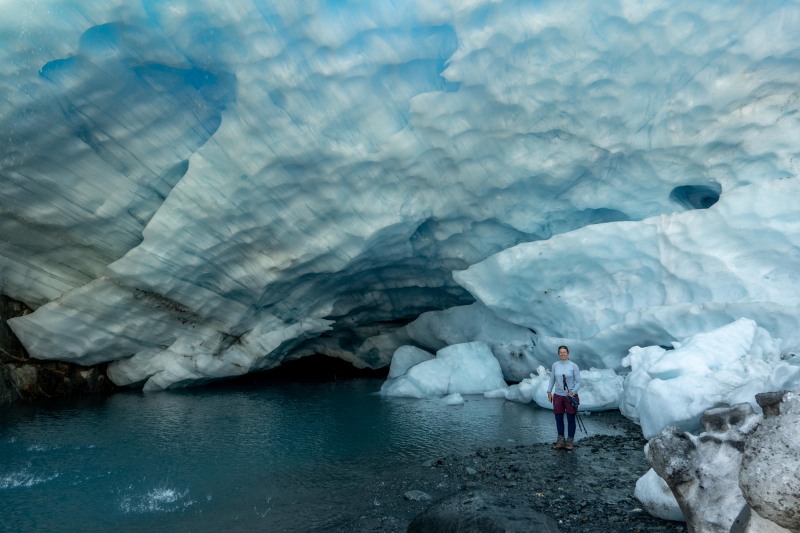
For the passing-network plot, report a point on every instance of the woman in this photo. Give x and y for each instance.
(565, 380)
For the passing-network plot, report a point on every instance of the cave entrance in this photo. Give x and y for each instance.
(312, 368)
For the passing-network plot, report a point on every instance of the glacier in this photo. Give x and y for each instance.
(197, 190)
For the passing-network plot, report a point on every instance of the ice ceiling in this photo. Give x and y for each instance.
(195, 190)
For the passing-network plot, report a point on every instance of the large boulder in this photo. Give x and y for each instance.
(477, 511)
(703, 470)
(770, 471)
(742, 475)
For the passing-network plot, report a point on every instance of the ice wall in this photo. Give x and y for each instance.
(611, 286)
(200, 189)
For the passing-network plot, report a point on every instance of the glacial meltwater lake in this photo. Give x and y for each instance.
(242, 456)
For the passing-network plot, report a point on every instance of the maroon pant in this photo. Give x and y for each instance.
(561, 404)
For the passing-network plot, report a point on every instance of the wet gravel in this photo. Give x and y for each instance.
(589, 489)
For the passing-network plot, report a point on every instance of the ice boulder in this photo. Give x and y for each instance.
(769, 476)
(723, 367)
(468, 368)
(404, 358)
(656, 497)
(453, 399)
(635, 383)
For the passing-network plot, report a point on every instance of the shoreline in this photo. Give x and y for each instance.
(589, 489)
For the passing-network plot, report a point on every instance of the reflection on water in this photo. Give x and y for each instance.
(239, 456)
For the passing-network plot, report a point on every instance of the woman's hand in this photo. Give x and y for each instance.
(550, 397)
(570, 394)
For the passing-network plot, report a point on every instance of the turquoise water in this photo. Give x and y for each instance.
(269, 456)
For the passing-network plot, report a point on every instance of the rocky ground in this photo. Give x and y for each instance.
(589, 489)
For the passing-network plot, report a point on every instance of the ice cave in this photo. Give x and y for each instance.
(193, 191)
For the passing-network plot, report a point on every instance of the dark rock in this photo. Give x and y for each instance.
(480, 512)
(770, 402)
(721, 419)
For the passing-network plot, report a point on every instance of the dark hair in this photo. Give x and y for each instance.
(559, 349)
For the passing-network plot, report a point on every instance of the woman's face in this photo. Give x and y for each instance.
(563, 354)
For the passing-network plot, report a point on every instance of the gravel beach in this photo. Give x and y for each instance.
(589, 489)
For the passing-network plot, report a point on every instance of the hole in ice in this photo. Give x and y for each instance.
(696, 196)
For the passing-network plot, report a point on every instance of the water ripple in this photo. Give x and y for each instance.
(160, 499)
(24, 478)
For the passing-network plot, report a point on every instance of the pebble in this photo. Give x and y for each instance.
(417, 495)
(589, 489)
